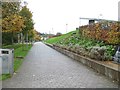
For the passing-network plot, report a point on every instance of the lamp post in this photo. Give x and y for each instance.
(52, 30)
(66, 27)
(100, 17)
(119, 11)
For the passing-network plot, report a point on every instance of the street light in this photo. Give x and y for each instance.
(119, 11)
(66, 27)
(52, 30)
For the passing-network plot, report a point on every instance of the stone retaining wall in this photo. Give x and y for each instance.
(110, 72)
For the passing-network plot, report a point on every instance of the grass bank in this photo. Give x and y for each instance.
(59, 38)
(74, 38)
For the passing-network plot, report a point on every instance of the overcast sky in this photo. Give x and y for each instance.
(51, 16)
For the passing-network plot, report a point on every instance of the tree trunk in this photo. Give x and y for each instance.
(12, 39)
(1, 38)
(22, 41)
(27, 40)
(18, 38)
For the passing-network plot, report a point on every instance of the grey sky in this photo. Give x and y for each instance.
(51, 16)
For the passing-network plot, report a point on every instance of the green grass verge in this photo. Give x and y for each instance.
(19, 51)
(15, 46)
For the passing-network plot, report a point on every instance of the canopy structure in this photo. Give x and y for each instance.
(93, 20)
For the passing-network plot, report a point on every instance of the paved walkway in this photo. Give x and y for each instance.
(46, 68)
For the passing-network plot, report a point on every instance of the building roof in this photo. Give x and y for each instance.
(97, 19)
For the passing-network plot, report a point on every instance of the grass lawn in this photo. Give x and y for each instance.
(18, 52)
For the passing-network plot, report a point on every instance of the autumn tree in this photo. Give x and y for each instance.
(31, 35)
(12, 22)
(10, 8)
(29, 25)
(16, 19)
(36, 35)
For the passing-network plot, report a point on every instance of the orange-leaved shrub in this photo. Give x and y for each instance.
(108, 32)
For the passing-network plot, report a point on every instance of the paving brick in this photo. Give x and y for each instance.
(46, 68)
